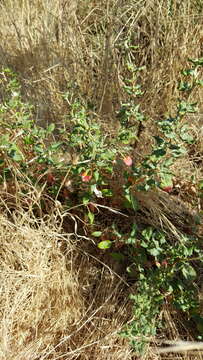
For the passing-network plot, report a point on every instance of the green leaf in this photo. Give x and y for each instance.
(91, 217)
(97, 233)
(185, 134)
(185, 107)
(197, 61)
(130, 240)
(55, 145)
(147, 233)
(16, 156)
(168, 162)
(161, 237)
(134, 203)
(154, 252)
(200, 82)
(86, 199)
(144, 244)
(51, 128)
(132, 200)
(189, 72)
(166, 180)
(106, 244)
(188, 272)
(134, 230)
(107, 192)
(96, 175)
(184, 86)
(200, 185)
(15, 153)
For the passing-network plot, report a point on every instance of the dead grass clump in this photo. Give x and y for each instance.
(83, 48)
(40, 295)
(55, 304)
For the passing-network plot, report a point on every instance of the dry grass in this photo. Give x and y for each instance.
(58, 300)
(56, 303)
(59, 44)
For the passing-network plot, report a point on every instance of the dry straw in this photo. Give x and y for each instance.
(56, 302)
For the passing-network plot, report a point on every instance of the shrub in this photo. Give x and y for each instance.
(87, 168)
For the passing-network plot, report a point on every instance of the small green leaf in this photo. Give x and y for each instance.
(189, 72)
(97, 233)
(16, 156)
(132, 200)
(200, 185)
(51, 128)
(166, 181)
(188, 272)
(106, 244)
(15, 153)
(154, 252)
(107, 192)
(96, 175)
(55, 146)
(147, 233)
(134, 230)
(197, 61)
(185, 135)
(184, 86)
(200, 82)
(86, 199)
(91, 217)
(130, 240)
(144, 244)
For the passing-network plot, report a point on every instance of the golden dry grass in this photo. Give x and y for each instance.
(85, 44)
(58, 301)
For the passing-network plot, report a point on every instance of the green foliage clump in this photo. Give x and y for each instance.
(80, 169)
(166, 274)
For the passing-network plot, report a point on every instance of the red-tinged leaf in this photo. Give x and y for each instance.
(166, 183)
(167, 189)
(86, 177)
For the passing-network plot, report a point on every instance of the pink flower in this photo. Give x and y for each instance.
(86, 177)
(128, 161)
